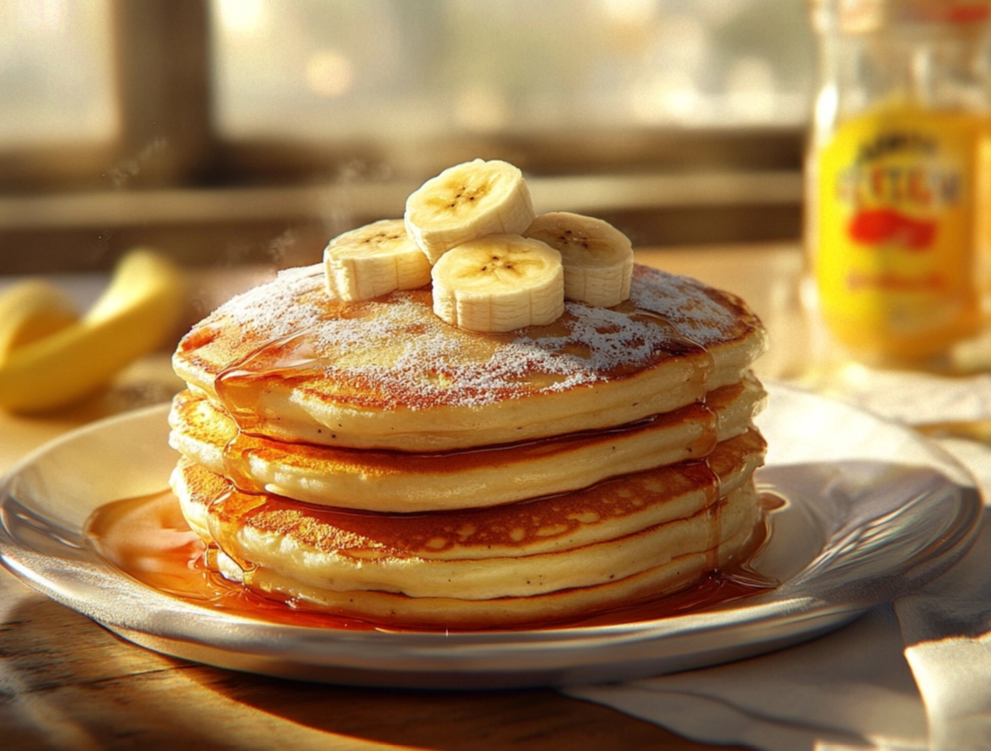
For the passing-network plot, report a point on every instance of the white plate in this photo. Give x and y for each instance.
(874, 511)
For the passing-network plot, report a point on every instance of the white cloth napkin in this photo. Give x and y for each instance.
(915, 674)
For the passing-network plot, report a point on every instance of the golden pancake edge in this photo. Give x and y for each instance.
(590, 545)
(370, 459)
(292, 363)
(377, 480)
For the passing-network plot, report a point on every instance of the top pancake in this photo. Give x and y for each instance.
(290, 362)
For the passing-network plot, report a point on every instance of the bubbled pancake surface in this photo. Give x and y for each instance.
(290, 362)
(403, 482)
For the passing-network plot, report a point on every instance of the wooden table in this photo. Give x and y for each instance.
(67, 683)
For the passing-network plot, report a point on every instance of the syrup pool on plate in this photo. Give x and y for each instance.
(148, 539)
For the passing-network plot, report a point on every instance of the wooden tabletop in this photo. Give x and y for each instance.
(66, 683)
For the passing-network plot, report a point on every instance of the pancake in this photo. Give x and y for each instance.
(386, 609)
(402, 482)
(290, 362)
(629, 537)
(369, 458)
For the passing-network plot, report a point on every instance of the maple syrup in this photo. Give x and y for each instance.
(175, 562)
(148, 539)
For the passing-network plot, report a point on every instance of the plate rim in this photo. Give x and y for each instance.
(806, 615)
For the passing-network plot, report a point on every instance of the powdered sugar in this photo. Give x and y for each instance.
(278, 308)
(398, 353)
(698, 312)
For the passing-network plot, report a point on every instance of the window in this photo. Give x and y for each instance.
(218, 129)
(55, 72)
(393, 68)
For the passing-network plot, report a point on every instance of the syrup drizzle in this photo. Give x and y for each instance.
(296, 357)
(239, 451)
(287, 359)
(706, 477)
(175, 563)
(148, 539)
(595, 345)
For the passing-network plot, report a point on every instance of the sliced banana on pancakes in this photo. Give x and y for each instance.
(499, 283)
(374, 260)
(597, 257)
(502, 276)
(465, 202)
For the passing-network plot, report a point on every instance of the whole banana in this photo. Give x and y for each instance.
(76, 356)
(31, 310)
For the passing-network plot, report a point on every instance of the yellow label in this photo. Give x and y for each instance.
(898, 198)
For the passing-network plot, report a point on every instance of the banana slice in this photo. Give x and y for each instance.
(465, 202)
(597, 257)
(374, 260)
(132, 317)
(31, 310)
(499, 283)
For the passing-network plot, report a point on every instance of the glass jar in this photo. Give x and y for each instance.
(898, 174)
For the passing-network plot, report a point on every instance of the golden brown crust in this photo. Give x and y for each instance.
(289, 387)
(377, 480)
(293, 363)
(618, 507)
(398, 611)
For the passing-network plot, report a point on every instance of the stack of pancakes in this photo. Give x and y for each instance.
(371, 460)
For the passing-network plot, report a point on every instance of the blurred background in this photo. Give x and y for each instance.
(227, 132)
